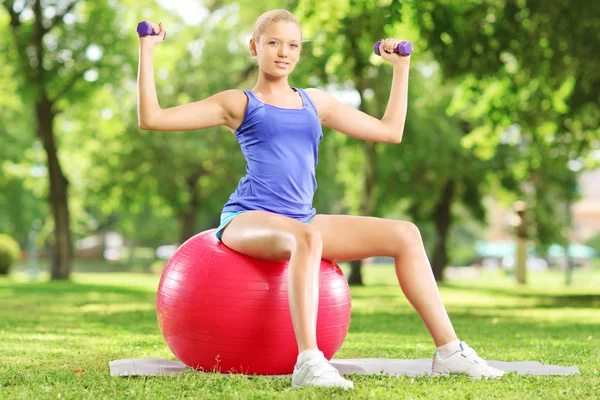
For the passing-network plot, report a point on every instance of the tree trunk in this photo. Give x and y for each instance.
(58, 195)
(521, 256)
(442, 227)
(355, 277)
(31, 51)
(131, 257)
(569, 224)
(188, 217)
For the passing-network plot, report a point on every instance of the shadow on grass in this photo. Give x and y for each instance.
(543, 300)
(59, 307)
(71, 288)
(469, 325)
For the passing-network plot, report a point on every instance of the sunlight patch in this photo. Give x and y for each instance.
(107, 309)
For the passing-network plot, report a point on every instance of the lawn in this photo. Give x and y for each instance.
(56, 339)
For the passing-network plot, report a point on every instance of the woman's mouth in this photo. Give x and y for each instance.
(282, 64)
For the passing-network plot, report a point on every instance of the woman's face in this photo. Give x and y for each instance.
(278, 48)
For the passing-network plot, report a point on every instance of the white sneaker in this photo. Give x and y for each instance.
(464, 362)
(319, 372)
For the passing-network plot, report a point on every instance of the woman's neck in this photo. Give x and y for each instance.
(268, 86)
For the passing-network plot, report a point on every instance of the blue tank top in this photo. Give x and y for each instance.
(280, 146)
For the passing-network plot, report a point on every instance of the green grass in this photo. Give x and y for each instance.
(56, 339)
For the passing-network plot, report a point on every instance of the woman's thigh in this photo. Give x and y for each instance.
(265, 235)
(347, 238)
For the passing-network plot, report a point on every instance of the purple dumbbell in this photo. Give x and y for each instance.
(145, 29)
(404, 48)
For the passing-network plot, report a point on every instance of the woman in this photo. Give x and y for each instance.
(270, 214)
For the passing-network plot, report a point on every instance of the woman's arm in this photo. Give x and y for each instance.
(355, 123)
(201, 114)
(395, 112)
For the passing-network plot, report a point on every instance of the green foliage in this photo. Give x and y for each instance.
(501, 93)
(338, 57)
(158, 178)
(60, 56)
(594, 243)
(9, 253)
(157, 267)
(527, 86)
(21, 164)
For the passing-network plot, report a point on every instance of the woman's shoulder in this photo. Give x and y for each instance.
(233, 95)
(317, 95)
(320, 98)
(234, 101)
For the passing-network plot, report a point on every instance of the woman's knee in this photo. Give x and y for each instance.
(307, 238)
(407, 232)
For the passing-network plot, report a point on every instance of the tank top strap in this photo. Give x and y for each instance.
(307, 100)
(253, 102)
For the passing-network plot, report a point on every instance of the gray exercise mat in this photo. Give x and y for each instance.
(359, 366)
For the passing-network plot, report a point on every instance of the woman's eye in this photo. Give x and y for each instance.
(294, 45)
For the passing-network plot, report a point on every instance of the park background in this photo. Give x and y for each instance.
(500, 153)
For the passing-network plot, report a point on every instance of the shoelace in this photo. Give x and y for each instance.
(469, 352)
(322, 367)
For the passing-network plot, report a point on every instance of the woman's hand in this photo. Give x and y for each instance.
(386, 49)
(157, 37)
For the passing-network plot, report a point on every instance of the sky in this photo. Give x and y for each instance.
(191, 11)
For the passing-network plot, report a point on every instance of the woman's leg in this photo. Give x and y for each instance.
(347, 238)
(274, 237)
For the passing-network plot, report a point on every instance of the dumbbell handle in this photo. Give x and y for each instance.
(145, 29)
(404, 48)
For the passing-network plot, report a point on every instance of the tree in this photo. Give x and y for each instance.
(436, 178)
(430, 171)
(188, 175)
(61, 59)
(529, 83)
(19, 168)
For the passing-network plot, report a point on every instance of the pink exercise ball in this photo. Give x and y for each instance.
(220, 310)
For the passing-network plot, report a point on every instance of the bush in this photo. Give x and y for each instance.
(158, 267)
(9, 253)
(594, 243)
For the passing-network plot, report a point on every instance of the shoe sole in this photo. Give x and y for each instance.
(337, 387)
(438, 374)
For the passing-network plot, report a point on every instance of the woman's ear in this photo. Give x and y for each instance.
(252, 47)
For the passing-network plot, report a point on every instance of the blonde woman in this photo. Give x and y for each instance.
(270, 215)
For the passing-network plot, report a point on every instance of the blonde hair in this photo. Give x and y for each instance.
(277, 15)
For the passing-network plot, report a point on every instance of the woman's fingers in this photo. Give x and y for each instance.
(156, 36)
(389, 44)
(158, 30)
(392, 45)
